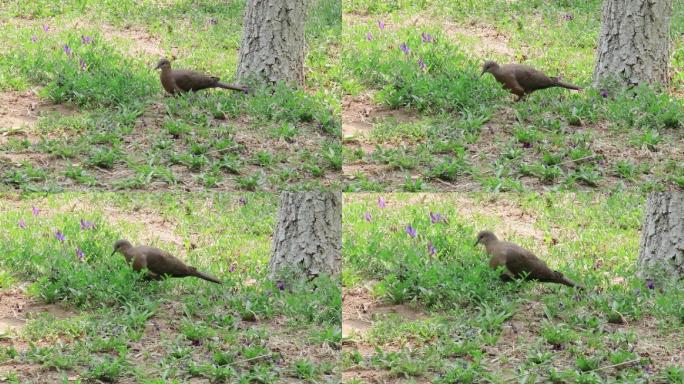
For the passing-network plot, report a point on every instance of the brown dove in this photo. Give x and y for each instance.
(519, 262)
(158, 263)
(521, 80)
(183, 80)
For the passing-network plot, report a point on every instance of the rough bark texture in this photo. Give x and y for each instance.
(662, 237)
(634, 44)
(273, 45)
(308, 236)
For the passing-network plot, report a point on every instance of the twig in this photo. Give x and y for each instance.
(615, 365)
(576, 160)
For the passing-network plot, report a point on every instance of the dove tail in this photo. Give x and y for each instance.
(206, 277)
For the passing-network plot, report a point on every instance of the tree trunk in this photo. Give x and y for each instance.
(662, 238)
(273, 45)
(308, 237)
(634, 44)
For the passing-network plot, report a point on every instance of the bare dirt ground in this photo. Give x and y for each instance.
(360, 310)
(21, 111)
(158, 339)
(16, 310)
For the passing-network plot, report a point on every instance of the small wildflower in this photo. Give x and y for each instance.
(213, 21)
(368, 217)
(381, 24)
(650, 284)
(22, 224)
(421, 64)
(34, 38)
(232, 267)
(411, 231)
(431, 249)
(381, 202)
(603, 93)
(426, 37)
(67, 50)
(82, 63)
(46, 28)
(60, 236)
(567, 16)
(242, 201)
(80, 254)
(86, 39)
(281, 285)
(404, 48)
(36, 211)
(85, 224)
(598, 264)
(436, 218)
(369, 37)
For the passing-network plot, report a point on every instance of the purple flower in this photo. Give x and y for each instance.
(436, 218)
(431, 249)
(80, 254)
(603, 93)
(650, 284)
(86, 39)
(34, 38)
(369, 37)
(368, 217)
(411, 231)
(281, 285)
(381, 24)
(404, 48)
(426, 37)
(46, 28)
(232, 267)
(421, 64)
(67, 50)
(213, 21)
(242, 201)
(60, 236)
(567, 16)
(381, 202)
(36, 211)
(85, 224)
(82, 63)
(22, 224)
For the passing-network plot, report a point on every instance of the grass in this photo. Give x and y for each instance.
(96, 59)
(91, 317)
(447, 317)
(500, 145)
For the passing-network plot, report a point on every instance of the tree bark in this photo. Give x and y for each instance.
(308, 236)
(273, 43)
(661, 252)
(634, 44)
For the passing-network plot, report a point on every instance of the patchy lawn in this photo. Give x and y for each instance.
(417, 116)
(70, 312)
(86, 111)
(428, 309)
